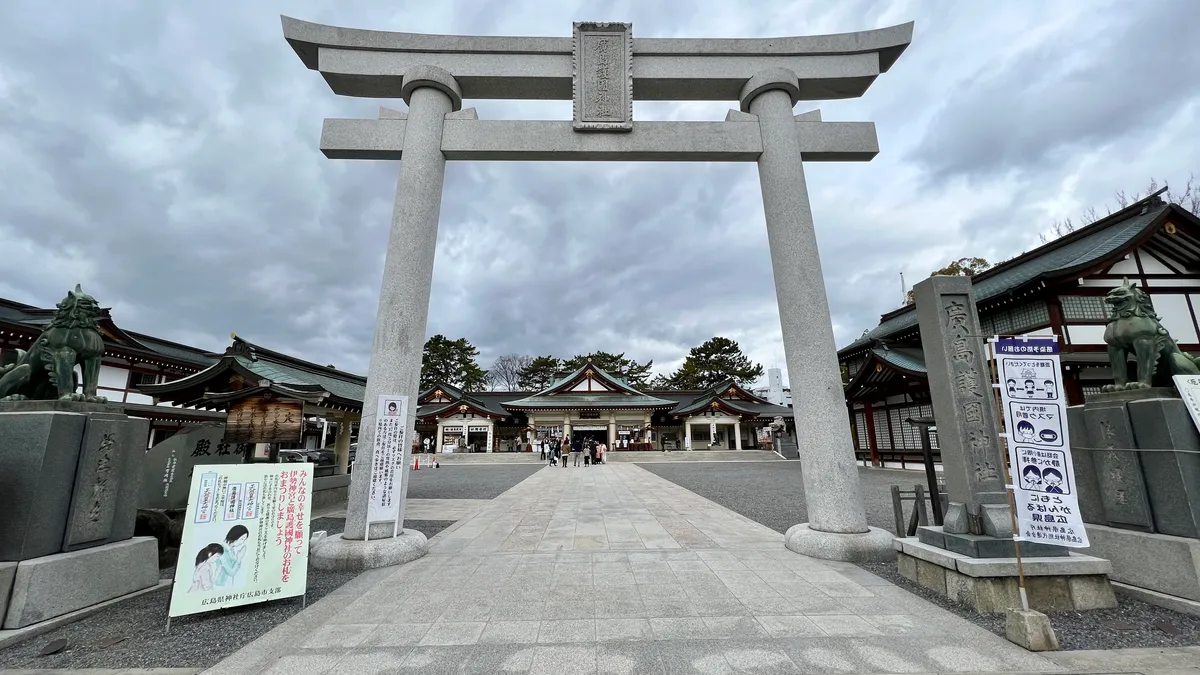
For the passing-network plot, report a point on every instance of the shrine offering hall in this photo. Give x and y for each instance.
(591, 403)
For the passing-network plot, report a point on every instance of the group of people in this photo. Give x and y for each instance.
(588, 450)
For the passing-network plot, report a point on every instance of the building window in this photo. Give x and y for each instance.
(700, 433)
(1084, 307)
(1016, 320)
(136, 378)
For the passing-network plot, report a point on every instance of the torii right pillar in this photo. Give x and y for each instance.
(837, 521)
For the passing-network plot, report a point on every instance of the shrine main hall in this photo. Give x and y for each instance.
(592, 403)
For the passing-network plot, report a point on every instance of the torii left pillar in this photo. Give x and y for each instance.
(430, 93)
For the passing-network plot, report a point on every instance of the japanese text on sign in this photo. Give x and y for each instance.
(245, 537)
(1039, 447)
(388, 459)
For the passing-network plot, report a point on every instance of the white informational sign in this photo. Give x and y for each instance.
(1039, 448)
(1189, 389)
(391, 425)
(712, 433)
(245, 539)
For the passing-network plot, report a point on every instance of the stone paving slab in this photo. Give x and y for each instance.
(611, 569)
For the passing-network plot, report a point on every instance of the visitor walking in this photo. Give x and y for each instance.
(600, 450)
(541, 450)
(576, 450)
(564, 450)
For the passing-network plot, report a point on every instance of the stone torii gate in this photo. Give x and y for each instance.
(602, 69)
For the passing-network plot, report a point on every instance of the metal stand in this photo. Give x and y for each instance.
(168, 630)
(935, 497)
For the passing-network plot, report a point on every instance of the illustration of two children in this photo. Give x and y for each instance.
(217, 565)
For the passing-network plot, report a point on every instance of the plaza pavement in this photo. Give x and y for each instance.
(613, 570)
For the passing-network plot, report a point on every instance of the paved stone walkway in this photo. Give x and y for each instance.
(613, 570)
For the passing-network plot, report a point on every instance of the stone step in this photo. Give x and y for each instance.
(446, 459)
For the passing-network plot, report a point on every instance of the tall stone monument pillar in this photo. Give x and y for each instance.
(837, 521)
(960, 384)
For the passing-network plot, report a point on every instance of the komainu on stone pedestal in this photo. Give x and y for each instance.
(47, 371)
(1134, 327)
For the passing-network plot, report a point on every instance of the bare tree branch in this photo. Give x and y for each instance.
(507, 370)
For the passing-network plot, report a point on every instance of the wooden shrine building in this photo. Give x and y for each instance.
(1056, 289)
(593, 403)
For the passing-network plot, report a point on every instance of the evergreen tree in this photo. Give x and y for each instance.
(451, 362)
(714, 362)
(539, 373)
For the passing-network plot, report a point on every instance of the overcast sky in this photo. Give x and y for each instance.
(164, 155)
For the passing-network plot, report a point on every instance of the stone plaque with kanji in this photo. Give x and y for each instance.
(602, 76)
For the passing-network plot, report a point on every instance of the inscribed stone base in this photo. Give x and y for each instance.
(1157, 562)
(1172, 478)
(72, 473)
(1056, 593)
(983, 546)
(47, 587)
(875, 545)
(355, 555)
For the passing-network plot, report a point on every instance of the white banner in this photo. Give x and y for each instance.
(1189, 390)
(1039, 446)
(391, 425)
(245, 539)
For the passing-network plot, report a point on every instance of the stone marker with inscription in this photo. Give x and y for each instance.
(971, 558)
(167, 468)
(960, 385)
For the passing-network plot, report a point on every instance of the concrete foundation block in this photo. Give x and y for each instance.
(336, 554)
(1091, 592)
(1030, 630)
(931, 576)
(1157, 562)
(8, 570)
(53, 585)
(875, 545)
(907, 566)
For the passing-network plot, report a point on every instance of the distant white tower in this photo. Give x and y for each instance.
(775, 386)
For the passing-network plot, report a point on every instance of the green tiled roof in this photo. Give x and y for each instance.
(1058, 257)
(906, 359)
(285, 374)
(597, 400)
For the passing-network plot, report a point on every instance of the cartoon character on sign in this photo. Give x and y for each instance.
(1049, 387)
(1012, 387)
(1031, 478)
(1053, 480)
(230, 563)
(391, 408)
(1025, 431)
(206, 562)
(1030, 388)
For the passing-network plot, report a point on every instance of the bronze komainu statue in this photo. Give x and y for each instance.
(47, 370)
(1134, 327)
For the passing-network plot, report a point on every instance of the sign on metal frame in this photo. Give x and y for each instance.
(1039, 447)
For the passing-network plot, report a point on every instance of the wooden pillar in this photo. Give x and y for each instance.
(872, 444)
(341, 445)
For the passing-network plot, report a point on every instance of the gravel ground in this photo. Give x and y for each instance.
(773, 494)
(468, 482)
(196, 641)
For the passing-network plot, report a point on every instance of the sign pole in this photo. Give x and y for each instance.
(1008, 477)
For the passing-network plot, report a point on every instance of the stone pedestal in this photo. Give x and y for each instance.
(54, 585)
(68, 505)
(1140, 447)
(71, 476)
(1054, 584)
(1158, 562)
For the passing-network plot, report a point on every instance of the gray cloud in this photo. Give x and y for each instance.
(166, 157)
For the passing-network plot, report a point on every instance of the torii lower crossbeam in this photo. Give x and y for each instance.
(517, 140)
